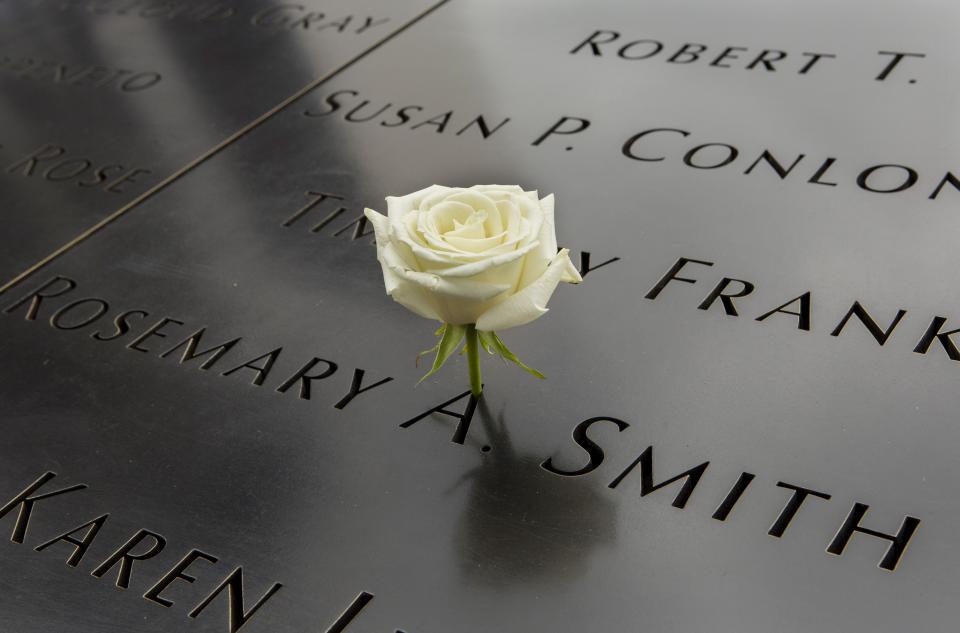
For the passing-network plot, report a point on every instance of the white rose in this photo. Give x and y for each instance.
(485, 255)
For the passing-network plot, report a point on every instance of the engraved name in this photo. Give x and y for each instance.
(611, 44)
(128, 559)
(290, 16)
(143, 331)
(725, 295)
(55, 163)
(650, 146)
(412, 116)
(615, 45)
(640, 474)
(79, 75)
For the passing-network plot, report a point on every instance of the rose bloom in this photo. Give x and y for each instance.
(485, 255)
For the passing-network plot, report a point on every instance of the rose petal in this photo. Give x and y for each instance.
(488, 263)
(442, 253)
(406, 293)
(465, 289)
(507, 189)
(493, 223)
(537, 262)
(475, 200)
(472, 229)
(399, 206)
(528, 304)
(435, 196)
(417, 300)
(531, 218)
(479, 246)
(510, 217)
(381, 229)
(407, 228)
(548, 231)
(442, 217)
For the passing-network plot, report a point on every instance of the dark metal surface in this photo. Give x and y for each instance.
(110, 98)
(332, 502)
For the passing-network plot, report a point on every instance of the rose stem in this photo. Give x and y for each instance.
(473, 359)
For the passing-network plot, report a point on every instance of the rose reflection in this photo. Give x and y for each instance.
(523, 524)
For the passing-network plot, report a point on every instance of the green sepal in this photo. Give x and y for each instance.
(449, 341)
(425, 352)
(486, 341)
(439, 332)
(504, 352)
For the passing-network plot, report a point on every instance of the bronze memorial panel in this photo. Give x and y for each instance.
(748, 420)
